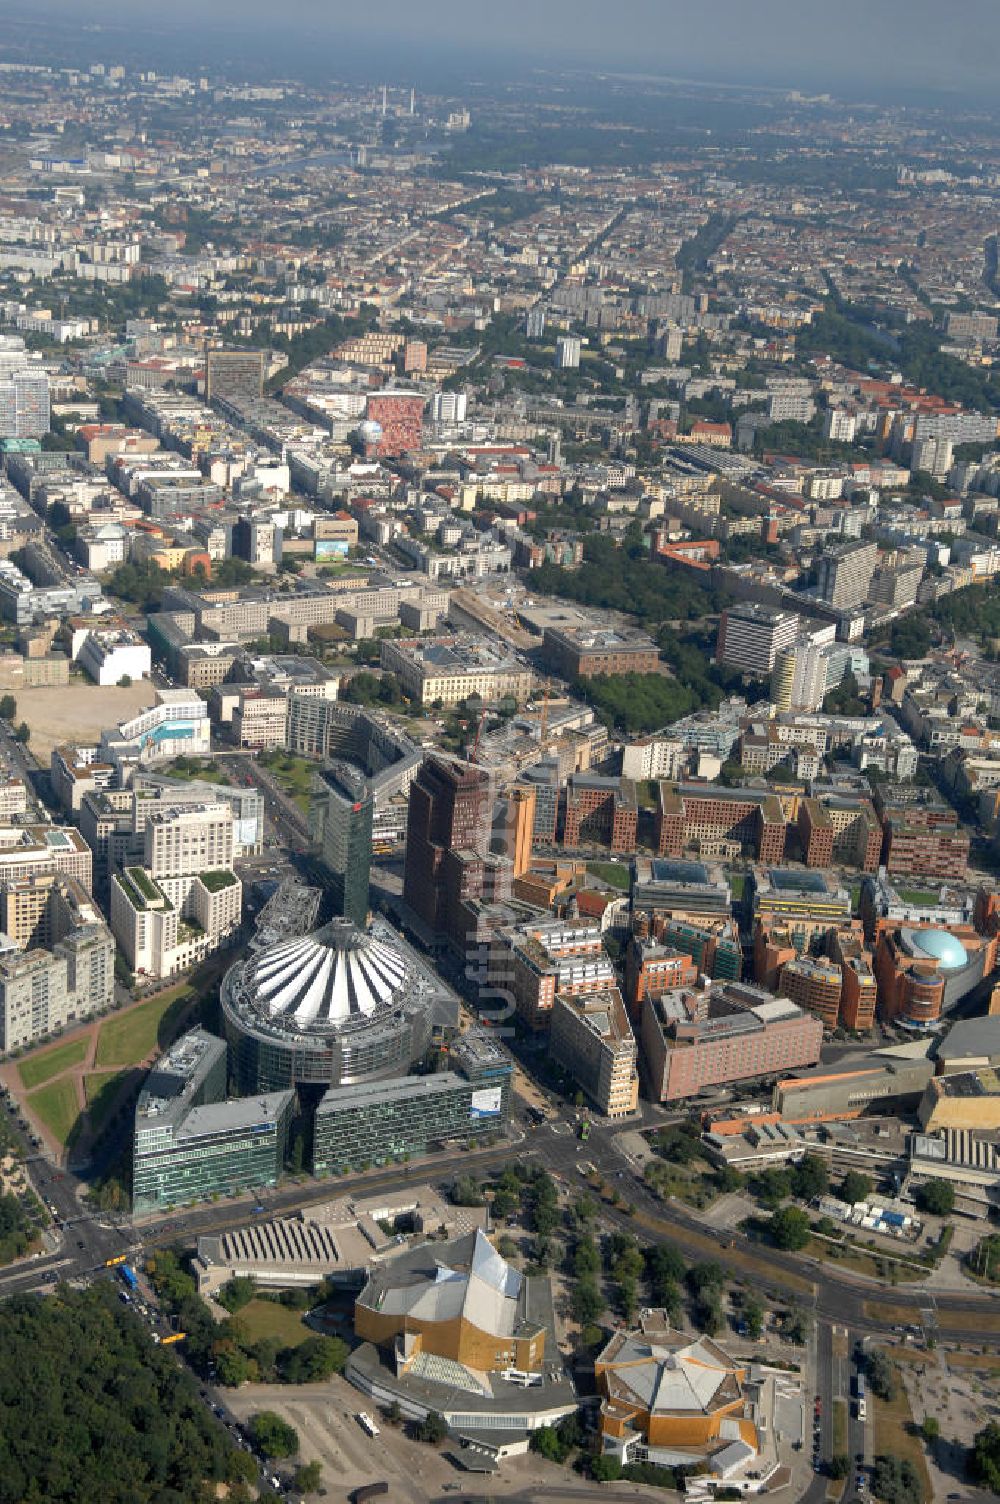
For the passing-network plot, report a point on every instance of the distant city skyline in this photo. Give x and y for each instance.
(896, 47)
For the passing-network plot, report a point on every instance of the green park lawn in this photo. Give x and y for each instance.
(916, 895)
(294, 775)
(130, 1037)
(615, 874)
(101, 1091)
(205, 772)
(56, 1105)
(265, 1318)
(44, 1064)
(898, 1436)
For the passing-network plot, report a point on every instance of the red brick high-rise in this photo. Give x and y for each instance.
(448, 829)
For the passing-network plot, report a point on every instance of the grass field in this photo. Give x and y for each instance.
(131, 1036)
(960, 1318)
(745, 1265)
(190, 768)
(56, 1105)
(900, 1315)
(51, 1062)
(294, 775)
(985, 1321)
(842, 1255)
(917, 895)
(101, 1091)
(980, 1363)
(264, 1318)
(839, 1427)
(895, 1434)
(615, 874)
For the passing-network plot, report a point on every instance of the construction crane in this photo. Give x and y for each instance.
(543, 724)
(479, 732)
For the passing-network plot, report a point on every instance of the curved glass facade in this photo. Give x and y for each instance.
(271, 1051)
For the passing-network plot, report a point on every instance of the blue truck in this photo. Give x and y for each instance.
(128, 1274)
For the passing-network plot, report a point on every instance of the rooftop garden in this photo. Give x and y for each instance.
(144, 883)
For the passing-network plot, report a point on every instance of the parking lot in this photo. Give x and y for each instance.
(325, 1417)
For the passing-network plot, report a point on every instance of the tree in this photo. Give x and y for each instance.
(881, 1375)
(706, 1277)
(237, 1293)
(984, 1457)
(8, 708)
(466, 1192)
(840, 1465)
(232, 1365)
(731, 774)
(794, 1328)
(810, 1178)
(896, 1482)
(308, 1477)
(505, 1202)
(125, 682)
(586, 1302)
(23, 733)
(586, 1259)
(753, 1316)
(547, 1442)
(665, 1266)
(313, 1360)
(789, 1228)
(708, 1314)
(936, 1197)
(433, 1428)
(728, 1180)
(274, 1436)
(265, 1353)
(92, 1409)
(984, 1260)
(772, 1186)
(910, 637)
(856, 1187)
(930, 1429)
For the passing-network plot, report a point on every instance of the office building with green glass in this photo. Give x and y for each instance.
(715, 951)
(377, 1122)
(190, 1143)
(342, 809)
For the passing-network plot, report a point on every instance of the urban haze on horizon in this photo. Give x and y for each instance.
(895, 48)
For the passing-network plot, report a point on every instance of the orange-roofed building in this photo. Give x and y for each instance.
(675, 1402)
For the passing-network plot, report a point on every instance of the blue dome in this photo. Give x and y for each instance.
(936, 945)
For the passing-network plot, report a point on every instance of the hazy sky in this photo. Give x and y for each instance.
(950, 44)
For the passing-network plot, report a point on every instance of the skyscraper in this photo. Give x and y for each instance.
(751, 636)
(24, 392)
(234, 374)
(341, 813)
(844, 573)
(567, 352)
(449, 822)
